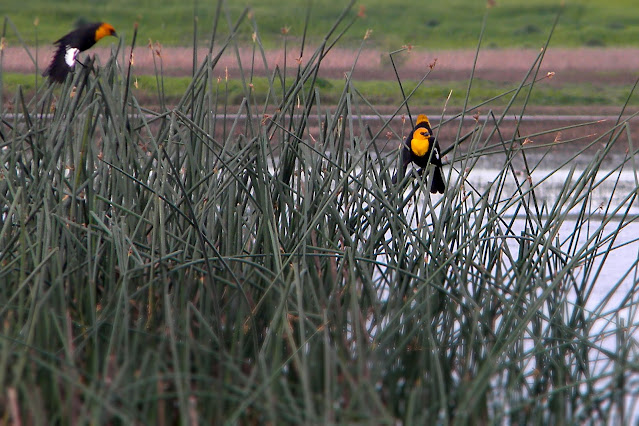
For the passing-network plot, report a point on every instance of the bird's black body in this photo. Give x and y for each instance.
(81, 39)
(409, 156)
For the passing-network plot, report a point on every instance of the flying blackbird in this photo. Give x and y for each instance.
(71, 45)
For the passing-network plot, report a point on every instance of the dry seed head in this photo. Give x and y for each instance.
(368, 34)
(361, 13)
(36, 21)
(432, 64)
(284, 30)
(557, 137)
(550, 74)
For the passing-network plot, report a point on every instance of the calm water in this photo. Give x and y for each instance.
(619, 274)
(614, 292)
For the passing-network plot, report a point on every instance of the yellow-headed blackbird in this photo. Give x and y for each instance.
(73, 43)
(417, 149)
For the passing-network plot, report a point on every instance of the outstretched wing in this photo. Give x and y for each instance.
(63, 61)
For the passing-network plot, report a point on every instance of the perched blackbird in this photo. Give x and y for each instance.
(73, 43)
(417, 149)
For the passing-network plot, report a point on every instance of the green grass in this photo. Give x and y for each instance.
(436, 25)
(174, 267)
(432, 93)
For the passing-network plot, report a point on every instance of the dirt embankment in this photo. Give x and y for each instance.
(620, 65)
(582, 65)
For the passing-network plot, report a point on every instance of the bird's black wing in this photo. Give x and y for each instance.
(407, 157)
(68, 48)
(437, 185)
(58, 69)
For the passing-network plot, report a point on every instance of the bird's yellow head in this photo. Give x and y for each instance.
(104, 30)
(422, 118)
(420, 142)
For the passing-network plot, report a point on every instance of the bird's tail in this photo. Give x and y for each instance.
(438, 185)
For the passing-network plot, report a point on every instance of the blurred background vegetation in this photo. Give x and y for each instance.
(436, 25)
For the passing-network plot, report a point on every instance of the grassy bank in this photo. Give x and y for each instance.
(432, 93)
(444, 25)
(174, 268)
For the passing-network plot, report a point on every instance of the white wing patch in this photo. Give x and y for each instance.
(70, 55)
